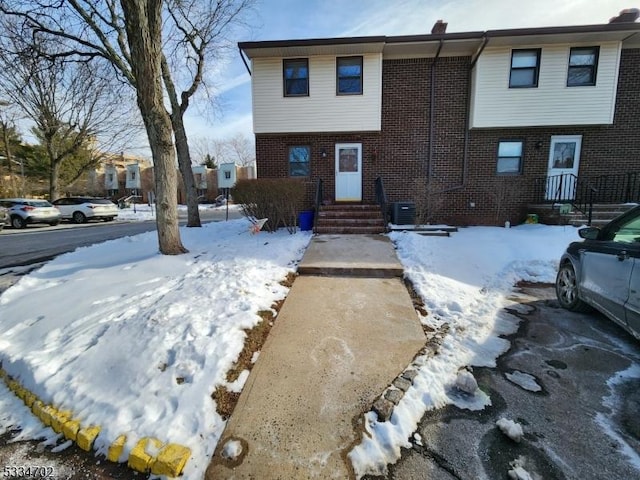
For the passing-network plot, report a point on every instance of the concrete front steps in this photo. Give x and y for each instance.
(349, 219)
(602, 214)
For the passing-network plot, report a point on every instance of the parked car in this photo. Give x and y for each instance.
(4, 217)
(81, 209)
(603, 271)
(24, 211)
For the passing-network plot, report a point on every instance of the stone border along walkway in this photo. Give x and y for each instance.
(169, 460)
(385, 403)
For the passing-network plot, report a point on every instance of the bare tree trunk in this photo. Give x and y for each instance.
(143, 19)
(182, 148)
(184, 163)
(54, 184)
(7, 154)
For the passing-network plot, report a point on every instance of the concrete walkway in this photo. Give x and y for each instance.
(338, 342)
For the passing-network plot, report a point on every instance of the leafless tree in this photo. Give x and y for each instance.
(8, 116)
(128, 34)
(207, 150)
(237, 149)
(240, 150)
(196, 36)
(77, 109)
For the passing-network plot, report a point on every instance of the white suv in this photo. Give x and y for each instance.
(23, 211)
(81, 209)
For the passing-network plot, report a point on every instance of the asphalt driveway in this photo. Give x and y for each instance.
(561, 380)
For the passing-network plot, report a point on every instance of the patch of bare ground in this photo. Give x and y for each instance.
(418, 304)
(226, 400)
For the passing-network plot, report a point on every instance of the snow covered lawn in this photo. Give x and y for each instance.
(143, 212)
(135, 341)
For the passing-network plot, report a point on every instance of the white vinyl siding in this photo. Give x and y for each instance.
(494, 104)
(323, 110)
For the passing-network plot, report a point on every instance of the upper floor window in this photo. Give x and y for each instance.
(299, 161)
(510, 157)
(349, 75)
(583, 63)
(525, 67)
(296, 77)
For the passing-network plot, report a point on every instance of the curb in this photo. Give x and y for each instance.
(148, 455)
(384, 405)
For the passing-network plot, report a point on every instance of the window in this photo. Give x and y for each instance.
(628, 232)
(296, 77)
(510, 157)
(583, 62)
(525, 66)
(299, 161)
(349, 75)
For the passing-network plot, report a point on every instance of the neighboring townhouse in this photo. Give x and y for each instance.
(483, 123)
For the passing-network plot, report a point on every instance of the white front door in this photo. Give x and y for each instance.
(564, 160)
(348, 172)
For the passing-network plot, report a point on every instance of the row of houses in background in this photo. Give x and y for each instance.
(123, 175)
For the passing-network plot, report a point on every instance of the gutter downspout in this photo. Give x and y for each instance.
(465, 151)
(246, 65)
(432, 108)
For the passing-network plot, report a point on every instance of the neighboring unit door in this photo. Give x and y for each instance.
(564, 160)
(348, 172)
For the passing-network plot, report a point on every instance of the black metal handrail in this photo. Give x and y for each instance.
(318, 202)
(583, 192)
(381, 199)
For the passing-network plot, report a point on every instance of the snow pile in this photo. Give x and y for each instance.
(232, 449)
(136, 341)
(464, 281)
(518, 471)
(466, 382)
(511, 429)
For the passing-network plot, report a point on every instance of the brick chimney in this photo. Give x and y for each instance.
(628, 15)
(439, 28)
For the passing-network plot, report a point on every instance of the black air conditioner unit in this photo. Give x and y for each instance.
(403, 213)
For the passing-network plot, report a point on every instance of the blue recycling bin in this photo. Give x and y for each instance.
(305, 220)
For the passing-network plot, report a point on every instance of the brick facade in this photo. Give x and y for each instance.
(400, 152)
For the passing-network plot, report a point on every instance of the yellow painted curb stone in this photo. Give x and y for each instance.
(140, 458)
(115, 450)
(29, 398)
(148, 454)
(86, 436)
(70, 429)
(171, 460)
(58, 419)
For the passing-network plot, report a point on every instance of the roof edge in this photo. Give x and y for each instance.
(514, 32)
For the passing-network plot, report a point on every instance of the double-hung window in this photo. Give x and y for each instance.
(525, 68)
(510, 157)
(295, 72)
(299, 156)
(349, 75)
(583, 65)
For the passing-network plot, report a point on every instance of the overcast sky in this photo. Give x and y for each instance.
(293, 19)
